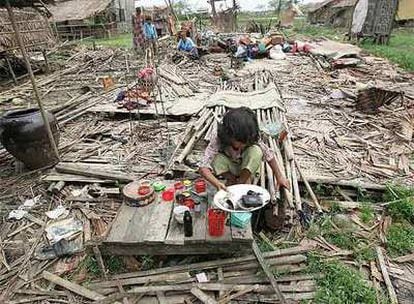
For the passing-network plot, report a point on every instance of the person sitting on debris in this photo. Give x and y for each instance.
(186, 44)
(235, 153)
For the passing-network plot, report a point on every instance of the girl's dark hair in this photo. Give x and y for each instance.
(238, 124)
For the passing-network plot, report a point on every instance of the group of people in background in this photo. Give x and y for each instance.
(146, 32)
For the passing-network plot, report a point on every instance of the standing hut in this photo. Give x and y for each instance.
(36, 35)
(319, 12)
(77, 19)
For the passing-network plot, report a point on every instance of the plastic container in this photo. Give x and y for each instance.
(189, 202)
(179, 187)
(168, 195)
(187, 183)
(197, 206)
(179, 213)
(216, 221)
(144, 189)
(200, 186)
(158, 187)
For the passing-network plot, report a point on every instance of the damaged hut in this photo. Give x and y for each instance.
(35, 32)
(76, 19)
(332, 12)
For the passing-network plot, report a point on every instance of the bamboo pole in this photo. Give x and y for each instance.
(11, 71)
(296, 192)
(32, 78)
(308, 187)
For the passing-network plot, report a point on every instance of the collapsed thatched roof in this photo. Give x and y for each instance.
(33, 27)
(345, 3)
(316, 6)
(77, 9)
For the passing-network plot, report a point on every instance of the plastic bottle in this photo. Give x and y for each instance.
(188, 224)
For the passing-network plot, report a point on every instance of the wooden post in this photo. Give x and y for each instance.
(46, 61)
(234, 16)
(32, 78)
(11, 70)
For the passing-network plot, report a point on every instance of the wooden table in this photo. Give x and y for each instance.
(152, 230)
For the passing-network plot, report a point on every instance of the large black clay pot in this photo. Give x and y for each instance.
(23, 134)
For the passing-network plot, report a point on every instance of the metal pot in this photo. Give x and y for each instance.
(23, 134)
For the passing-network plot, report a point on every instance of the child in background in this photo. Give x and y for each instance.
(236, 152)
(150, 33)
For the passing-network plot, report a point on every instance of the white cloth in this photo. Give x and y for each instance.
(360, 14)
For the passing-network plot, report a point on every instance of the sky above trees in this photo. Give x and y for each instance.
(246, 5)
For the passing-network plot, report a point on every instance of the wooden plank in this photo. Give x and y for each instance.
(74, 178)
(202, 296)
(175, 234)
(158, 222)
(242, 234)
(121, 223)
(89, 171)
(80, 290)
(199, 226)
(167, 278)
(385, 275)
(138, 225)
(268, 272)
(134, 249)
(217, 263)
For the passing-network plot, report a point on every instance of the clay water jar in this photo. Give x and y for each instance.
(23, 134)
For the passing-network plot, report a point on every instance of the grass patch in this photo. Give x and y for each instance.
(92, 266)
(401, 207)
(119, 41)
(114, 264)
(341, 233)
(367, 213)
(400, 239)
(148, 262)
(400, 50)
(340, 284)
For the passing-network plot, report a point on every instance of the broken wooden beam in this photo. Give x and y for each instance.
(268, 272)
(75, 288)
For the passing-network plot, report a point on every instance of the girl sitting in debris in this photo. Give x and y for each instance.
(236, 152)
(186, 44)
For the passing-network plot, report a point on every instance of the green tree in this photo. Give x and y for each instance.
(181, 7)
(279, 5)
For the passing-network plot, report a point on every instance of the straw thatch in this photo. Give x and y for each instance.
(77, 9)
(34, 29)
